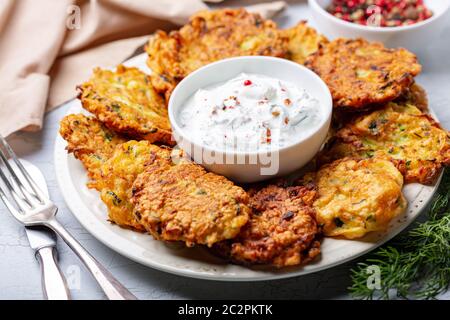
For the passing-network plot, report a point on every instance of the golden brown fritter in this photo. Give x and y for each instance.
(125, 101)
(357, 196)
(118, 175)
(183, 202)
(412, 140)
(210, 36)
(361, 74)
(89, 140)
(415, 95)
(303, 41)
(282, 230)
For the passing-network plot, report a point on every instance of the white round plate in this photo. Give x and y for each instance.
(87, 207)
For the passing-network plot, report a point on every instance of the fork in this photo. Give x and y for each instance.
(30, 206)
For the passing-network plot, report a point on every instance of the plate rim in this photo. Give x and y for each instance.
(68, 191)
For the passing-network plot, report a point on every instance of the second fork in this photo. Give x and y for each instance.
(31, 207)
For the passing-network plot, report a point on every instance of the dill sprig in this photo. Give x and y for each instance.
(415, 265)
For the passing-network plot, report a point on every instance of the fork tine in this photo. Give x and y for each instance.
(21, 203)
(38, 193)
(15, 182)
(8, 204)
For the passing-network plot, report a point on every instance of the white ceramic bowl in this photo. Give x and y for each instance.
(416, 37)
(254, 166)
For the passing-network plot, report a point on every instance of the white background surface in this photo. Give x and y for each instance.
(20, 273)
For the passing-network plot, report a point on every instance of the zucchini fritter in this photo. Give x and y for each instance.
(360, 74)
(118, 174)
(90, 141)
(416, 96)
(412, 140)
(210, 36)
(282, 230)
(356, 197)
(125, 101)
(183, 202)
(303, 41)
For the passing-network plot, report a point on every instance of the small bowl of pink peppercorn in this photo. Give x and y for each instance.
(411, 24)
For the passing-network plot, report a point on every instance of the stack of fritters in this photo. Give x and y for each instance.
(143, 171)
(214, 35)
(380, 132)
(415, 143)
(379, 115)
(210, 36)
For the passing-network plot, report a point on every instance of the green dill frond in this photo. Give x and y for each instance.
(415, 265)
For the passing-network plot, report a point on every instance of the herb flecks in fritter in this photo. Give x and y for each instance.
(357, 196)
(125, 101)
(399, 132)
(183, 202)
(90, 141)
(118, 175)
(361, 74)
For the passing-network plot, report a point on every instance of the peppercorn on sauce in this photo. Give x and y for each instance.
(250, 112)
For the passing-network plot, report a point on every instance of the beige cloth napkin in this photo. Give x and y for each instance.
(47, 47)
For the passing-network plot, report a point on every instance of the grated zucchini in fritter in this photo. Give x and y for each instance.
(210, 36)
(125, 101)
(357, 196)
(400, 132)
(361, 74)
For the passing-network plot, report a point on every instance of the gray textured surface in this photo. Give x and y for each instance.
(19, 271)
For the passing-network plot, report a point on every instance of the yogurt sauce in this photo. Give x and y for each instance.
(250, 112)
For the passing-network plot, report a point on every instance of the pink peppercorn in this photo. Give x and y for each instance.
(392, 12)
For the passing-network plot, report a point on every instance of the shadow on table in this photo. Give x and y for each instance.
(328, 284)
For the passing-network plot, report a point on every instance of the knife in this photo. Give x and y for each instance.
(43, 242)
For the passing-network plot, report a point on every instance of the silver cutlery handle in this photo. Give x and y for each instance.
(112, 288)
(53, 282)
